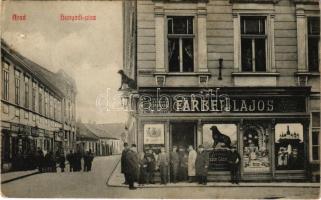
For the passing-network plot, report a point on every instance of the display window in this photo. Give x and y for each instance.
(256, 149)
(289, 146)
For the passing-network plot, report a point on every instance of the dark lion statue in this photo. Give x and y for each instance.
(126, 80)
(220, 137)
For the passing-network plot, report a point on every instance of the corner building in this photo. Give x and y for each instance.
(247, 68)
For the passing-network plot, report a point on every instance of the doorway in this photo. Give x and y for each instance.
(183, 134)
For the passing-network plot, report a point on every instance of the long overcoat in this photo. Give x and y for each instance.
(191, 163)
(123, 161)
(132, 164)
(202, 163)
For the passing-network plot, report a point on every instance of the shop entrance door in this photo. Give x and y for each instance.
(183, 134)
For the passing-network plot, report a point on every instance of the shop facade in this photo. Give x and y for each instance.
(268, 126)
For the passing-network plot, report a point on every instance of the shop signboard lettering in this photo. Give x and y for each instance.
(217, 103)
(218, 159)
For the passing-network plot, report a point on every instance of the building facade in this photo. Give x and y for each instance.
(246, 70)
(32, 110)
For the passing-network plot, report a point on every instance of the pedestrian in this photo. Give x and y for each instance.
(40, 159)
(191, 163)
(142, 169)
(174, 164)
(90, 158)
(47, 163)
(163, 162)
(183, 163)
(234, 161)
(151, 166)
(86, 161)
(201, 165)
(77, 161)
(70, 159)
(62, 161)
(122, 162)
(132, 168)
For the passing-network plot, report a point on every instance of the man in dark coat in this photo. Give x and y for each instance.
(151, 166)
(40, 159)
(70, 159)
(123, 160)
(132, 168)
(201, 165)
(234, 162)
(183, 162)
(90, 159)
(174, 164)
(62, 161)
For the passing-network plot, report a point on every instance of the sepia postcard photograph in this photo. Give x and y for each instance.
(160, 99)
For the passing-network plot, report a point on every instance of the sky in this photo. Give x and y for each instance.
(89, 51)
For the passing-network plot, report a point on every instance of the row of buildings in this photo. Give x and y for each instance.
(38, 109)
(101, 139)
(251, 68)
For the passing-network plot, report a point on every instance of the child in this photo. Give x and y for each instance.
(142, 169)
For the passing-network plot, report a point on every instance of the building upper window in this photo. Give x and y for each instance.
(26, 92)
(17, 86)
(34, 88)
(180, 35)
(313, 43)
(5, 81)
(315, 136)
(253, 44)
(40, 100)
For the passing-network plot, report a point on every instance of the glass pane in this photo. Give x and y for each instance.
(216, 140)
(315, 153)
(255, 151)
(260, 55)
(180, 25)
(188, 55)
(173, 54)
(253, 25)
(246, 53)
(170, 25)
(289, 146)
(315, 119)
(315, 138)
(313, 54)
(313, 26)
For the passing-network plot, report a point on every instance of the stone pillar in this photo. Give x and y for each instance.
(237, 41)
(301, 38)
(201, 38)
(160, 37)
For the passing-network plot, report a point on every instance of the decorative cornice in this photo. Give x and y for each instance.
(182, 1)
(254, 1)
(306, 1)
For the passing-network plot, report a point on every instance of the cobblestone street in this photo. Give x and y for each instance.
(93, 184)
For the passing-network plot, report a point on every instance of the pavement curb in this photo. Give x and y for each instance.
(19, 177)
(219, 184)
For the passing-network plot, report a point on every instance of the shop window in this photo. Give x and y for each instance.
(289, 146)
(217, 140)
(154, 137)
(315, 136)
(253, 44)
(255, 149)
(5, 81)
(313, 43)
(180, 44)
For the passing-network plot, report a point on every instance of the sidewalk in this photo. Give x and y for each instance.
(12, 176)
(117, 178)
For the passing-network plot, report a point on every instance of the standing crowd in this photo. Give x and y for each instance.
(50, 161)
(179, 165)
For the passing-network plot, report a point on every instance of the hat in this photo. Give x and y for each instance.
(233, 147)
(133, 145)
(200, 146)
